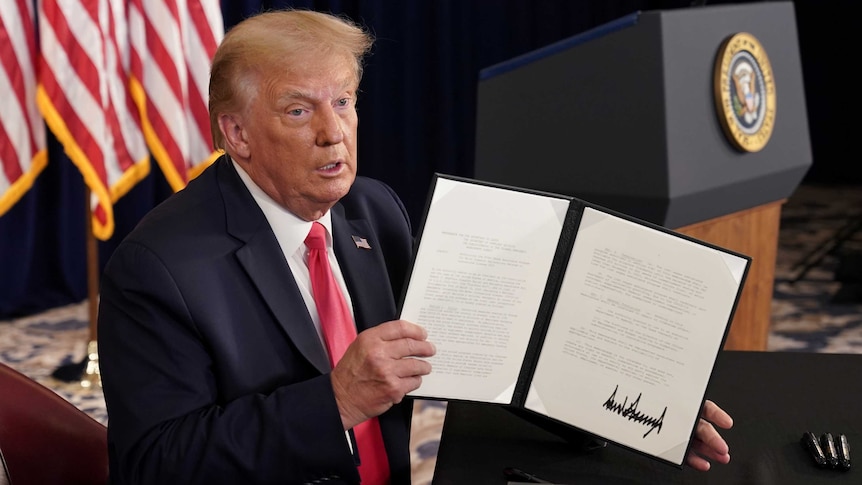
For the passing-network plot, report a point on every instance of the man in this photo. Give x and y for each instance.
(216, 360)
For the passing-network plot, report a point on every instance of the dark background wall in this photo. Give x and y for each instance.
(828, 34)
(417, 110)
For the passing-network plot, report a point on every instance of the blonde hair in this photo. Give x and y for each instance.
(252, 46)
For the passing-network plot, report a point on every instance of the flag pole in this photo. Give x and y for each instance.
(91, 372)
(87, 371)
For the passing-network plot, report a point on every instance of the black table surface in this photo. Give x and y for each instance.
(774, 397)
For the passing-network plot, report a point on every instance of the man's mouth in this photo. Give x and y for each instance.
(330, 166)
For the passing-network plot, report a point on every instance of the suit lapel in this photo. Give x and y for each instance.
(364, 270)
(259, 256)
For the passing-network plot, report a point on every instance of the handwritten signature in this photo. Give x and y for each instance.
(631, 412)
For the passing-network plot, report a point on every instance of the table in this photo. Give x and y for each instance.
(773, 397)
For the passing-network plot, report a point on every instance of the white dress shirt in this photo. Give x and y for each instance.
(290, 232)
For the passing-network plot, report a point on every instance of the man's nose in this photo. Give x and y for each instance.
(330, 127)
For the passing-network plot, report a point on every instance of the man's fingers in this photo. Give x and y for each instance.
(398, 329)
(410, 367)
(697, 462)
(709, 453)
(710, 438)
(707, 446)
(714, 414)
(400, 338)
(409, 384)
(408, 347)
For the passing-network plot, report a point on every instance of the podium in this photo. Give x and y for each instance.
(636, 115)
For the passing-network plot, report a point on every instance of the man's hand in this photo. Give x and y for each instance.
(378, 369)
(708, 445)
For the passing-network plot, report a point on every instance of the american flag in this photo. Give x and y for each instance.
(83, 95)
(22, 130)
(361, 242)
(173, 42)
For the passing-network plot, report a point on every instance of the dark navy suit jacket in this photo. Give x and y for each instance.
(211, 366)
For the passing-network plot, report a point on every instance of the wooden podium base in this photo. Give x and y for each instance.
(753, 232)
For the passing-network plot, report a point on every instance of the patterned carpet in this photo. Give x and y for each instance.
(817, 307)
(817, 301)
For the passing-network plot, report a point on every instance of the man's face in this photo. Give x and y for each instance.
(298, 135)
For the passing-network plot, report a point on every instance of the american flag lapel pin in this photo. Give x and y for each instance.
(361, 242)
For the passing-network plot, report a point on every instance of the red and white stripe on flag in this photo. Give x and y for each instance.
(22, 130)
(173, 42)
(83, 95)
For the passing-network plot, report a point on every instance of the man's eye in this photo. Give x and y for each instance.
(343, 102)
(295, 112)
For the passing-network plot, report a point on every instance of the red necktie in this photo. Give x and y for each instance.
(338, 333)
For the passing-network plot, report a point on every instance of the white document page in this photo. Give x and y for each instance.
(634, 334)
(477, 282)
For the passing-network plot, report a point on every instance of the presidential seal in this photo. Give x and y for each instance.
(744, 92)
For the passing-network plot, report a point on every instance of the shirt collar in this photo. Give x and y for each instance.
(290, 230)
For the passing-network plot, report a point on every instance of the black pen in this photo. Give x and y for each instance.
(517, 475)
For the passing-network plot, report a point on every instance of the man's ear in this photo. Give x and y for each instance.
(235, 139)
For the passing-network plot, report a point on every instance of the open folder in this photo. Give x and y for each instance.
(569, 310)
